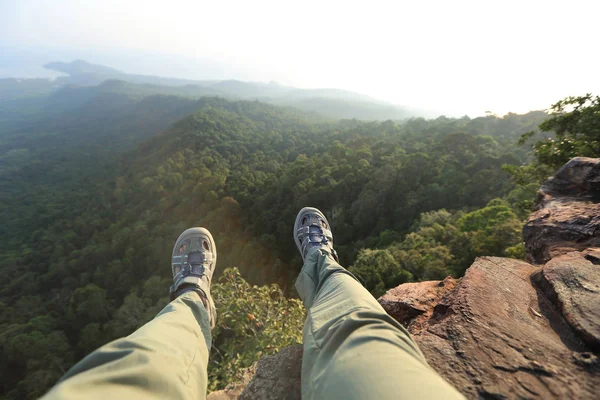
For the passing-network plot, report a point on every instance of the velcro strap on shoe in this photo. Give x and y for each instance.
(305, 230)
(193, 258)
(199, 257)
(197, 270)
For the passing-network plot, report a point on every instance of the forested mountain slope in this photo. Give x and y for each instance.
(93, 256)
(52, 160)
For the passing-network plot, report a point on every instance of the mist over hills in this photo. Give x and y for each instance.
(80, 72)
(330, 103)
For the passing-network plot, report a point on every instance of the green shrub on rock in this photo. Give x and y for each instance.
(252, 321)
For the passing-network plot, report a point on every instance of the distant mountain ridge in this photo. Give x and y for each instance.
(80, 72)
(80, 67)
(329, 102)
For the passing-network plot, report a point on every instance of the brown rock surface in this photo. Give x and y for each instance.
(498, 336)
(412, 303)
(277, 376)
(572, 281)
(579, 177)
(568, 214)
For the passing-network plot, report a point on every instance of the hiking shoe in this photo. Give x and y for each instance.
(193, 263)
(312, 229)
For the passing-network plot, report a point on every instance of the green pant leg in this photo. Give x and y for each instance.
(165, 359)
(352, 348)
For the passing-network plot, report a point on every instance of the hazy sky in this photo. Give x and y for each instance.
(460, 57)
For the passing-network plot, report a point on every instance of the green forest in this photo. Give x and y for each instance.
(96, 184)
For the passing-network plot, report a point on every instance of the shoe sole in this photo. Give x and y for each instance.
(297, 224)
(198, 231)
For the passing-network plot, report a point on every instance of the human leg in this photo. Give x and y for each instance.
(165, 359)
(352, 348)
(168, 357)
